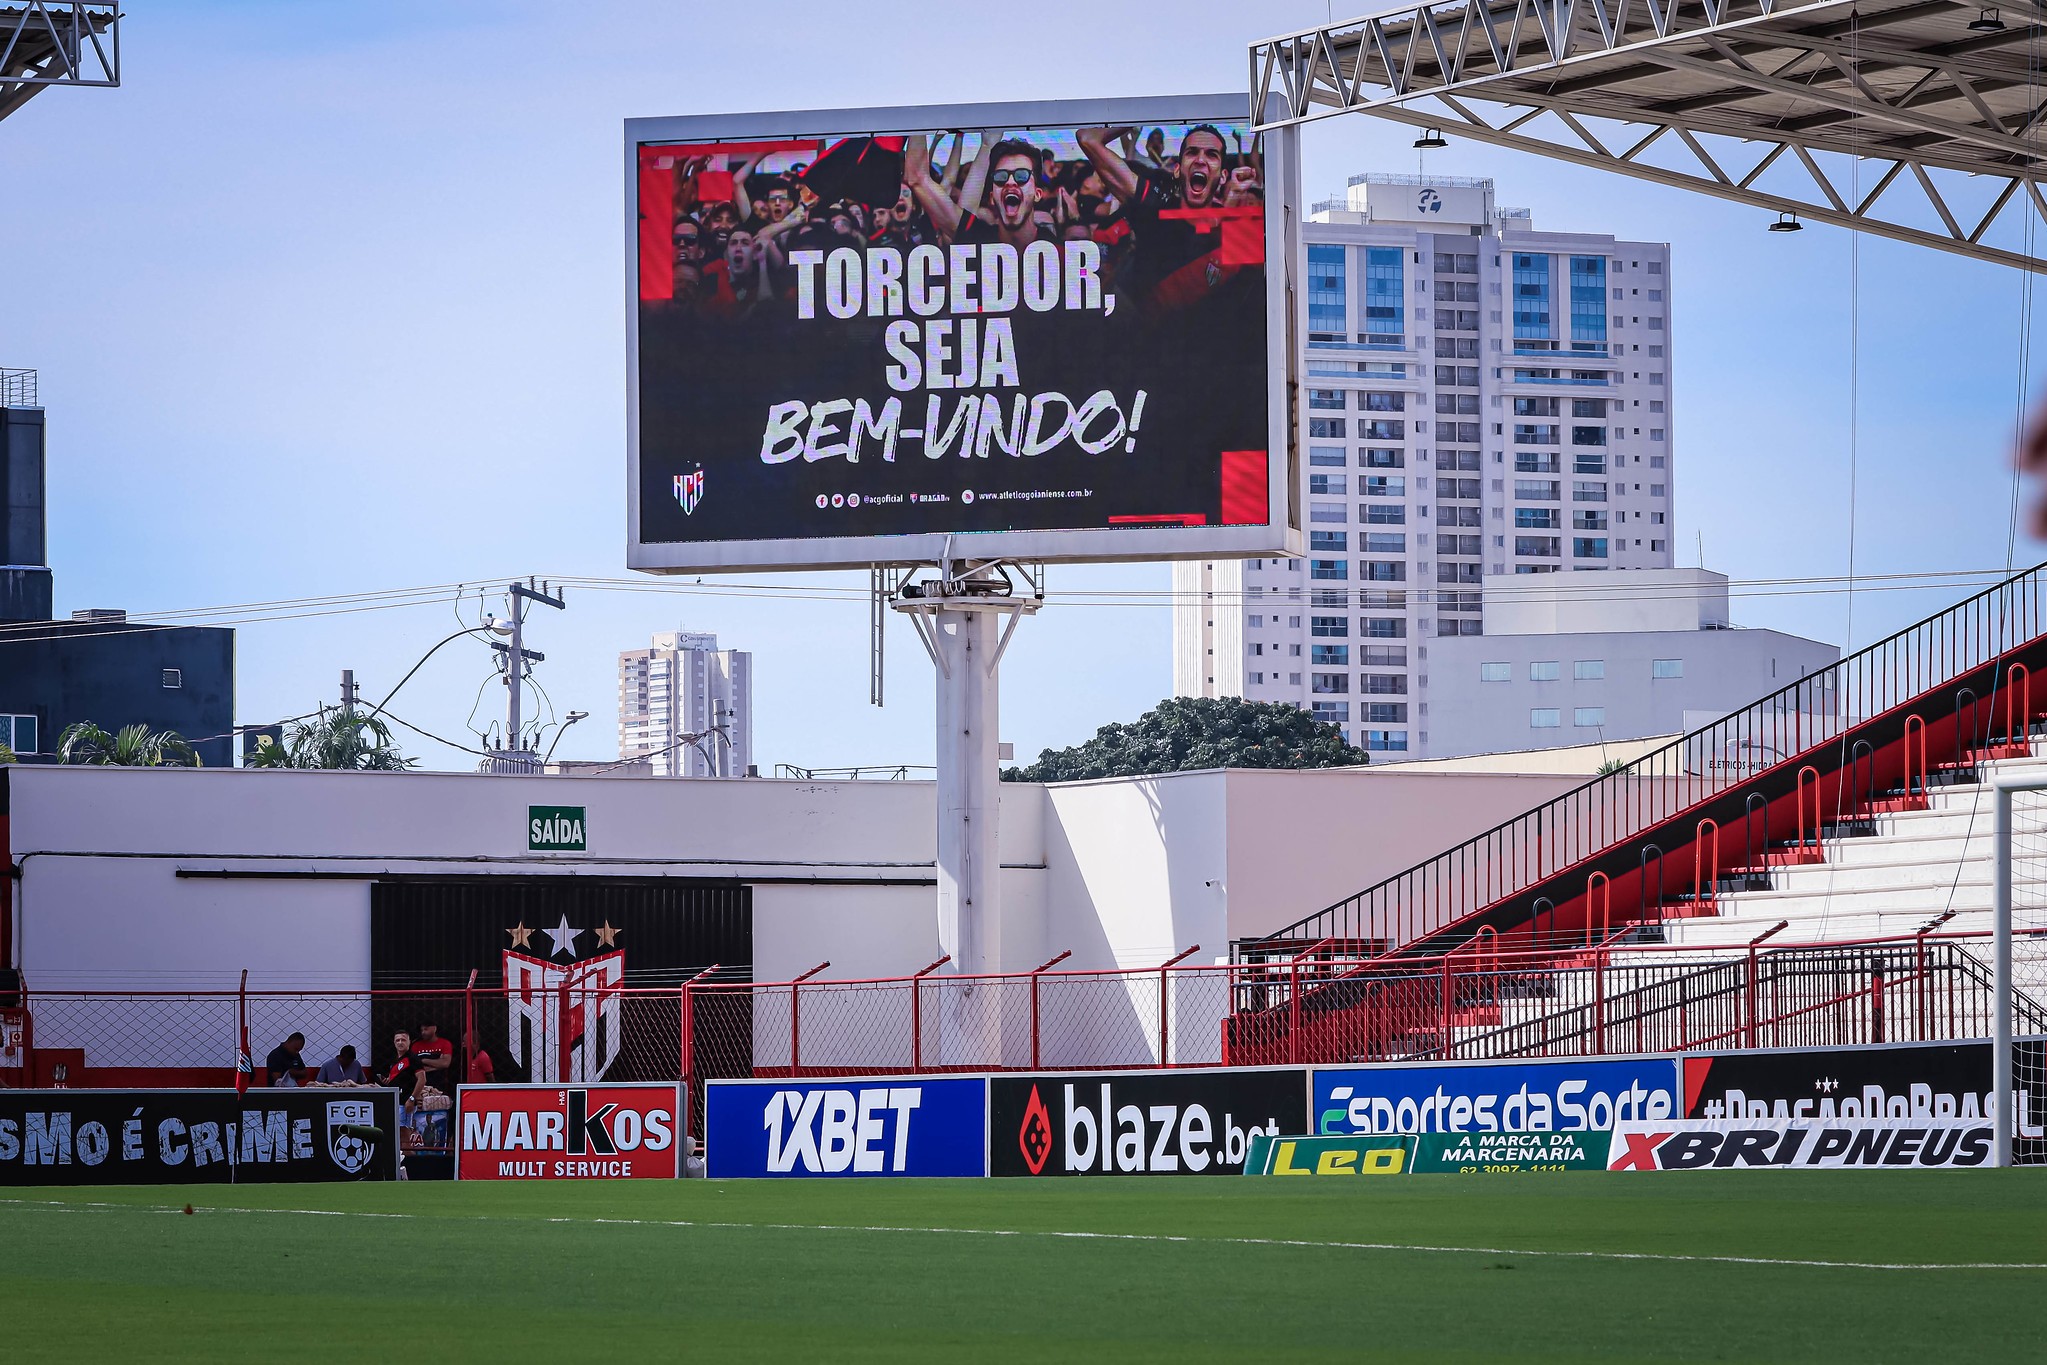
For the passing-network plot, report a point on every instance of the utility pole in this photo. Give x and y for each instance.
(348, 693)
(515, 757)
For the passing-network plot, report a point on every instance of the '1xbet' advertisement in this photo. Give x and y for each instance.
(934, 330)
(1525, 1097)
(903, 1126)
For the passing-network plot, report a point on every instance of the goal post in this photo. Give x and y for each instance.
(2018, 893)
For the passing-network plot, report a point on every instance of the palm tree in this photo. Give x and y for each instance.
(333, 739)
(132, 746)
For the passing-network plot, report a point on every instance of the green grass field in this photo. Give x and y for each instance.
(1564, 1267)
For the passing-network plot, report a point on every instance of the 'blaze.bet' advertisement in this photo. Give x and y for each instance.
(583, 1132)
(1008, 329)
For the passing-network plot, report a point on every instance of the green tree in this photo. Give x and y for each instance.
(1181, 733)
(333, 739)
(7, 754)
(132, 746)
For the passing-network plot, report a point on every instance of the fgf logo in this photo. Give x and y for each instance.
(791, 1129)
(544, 1132)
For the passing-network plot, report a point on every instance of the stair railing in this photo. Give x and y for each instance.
(1517, 856)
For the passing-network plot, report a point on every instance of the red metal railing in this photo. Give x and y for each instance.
(1988, 643)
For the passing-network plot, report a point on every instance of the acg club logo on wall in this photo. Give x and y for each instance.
(541, 1132)
(910, 1126)
(1139, 1123)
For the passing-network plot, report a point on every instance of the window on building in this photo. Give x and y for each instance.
(1327, 456)
(1378, 429)
(1537, 433)
(1385, 295)
(1544, 718)
(1329, 683)
(1383, 514)
(1383, 656)
(1383, 486)
(1539, 547)
(173, 678)
(1385, 741)
(1331, 712)
(1329, 569)
(1385, 628)
(1386, 712)
(1328, 399)
(1588, 717)
(1257, 678)
(1666, 668)
(1330, 627)
(1586, 670)
(1544, 670)
(1536, 518)
(1337, 484)
(1384, 684)
(1326, 428)
(19, 733)
(1385, 543)
(1255, 620)
(1383, 402)
(1496, 672)
(1379, 457)
(1588, 547)
(1333, 542)
(1329, 656)
(1585, 491)
(1379, 571)
(1328, 294)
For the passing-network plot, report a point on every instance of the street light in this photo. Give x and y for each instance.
(569, 720)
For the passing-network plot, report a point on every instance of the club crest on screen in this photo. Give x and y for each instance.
(350, 1151)
(689, 490)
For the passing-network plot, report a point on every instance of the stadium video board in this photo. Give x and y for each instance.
(1049, 331)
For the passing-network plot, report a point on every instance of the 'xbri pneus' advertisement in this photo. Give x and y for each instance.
(941, 330)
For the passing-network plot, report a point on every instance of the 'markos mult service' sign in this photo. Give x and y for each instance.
(171, 1137)
(858, 333)
(545, 1132)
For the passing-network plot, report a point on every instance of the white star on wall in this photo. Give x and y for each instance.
(564, 937)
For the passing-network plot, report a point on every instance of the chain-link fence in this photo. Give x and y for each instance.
(1327, 1009)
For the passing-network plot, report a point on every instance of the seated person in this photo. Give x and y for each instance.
(343, 1069)
(285, 1062)
(406, 1072)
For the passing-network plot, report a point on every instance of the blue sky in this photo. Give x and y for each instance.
(328, 297)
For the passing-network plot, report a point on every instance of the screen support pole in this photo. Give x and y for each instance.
(965, 617)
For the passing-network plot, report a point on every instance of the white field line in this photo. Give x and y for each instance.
(81, 1206)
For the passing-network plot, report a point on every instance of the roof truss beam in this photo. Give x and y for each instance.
(56, 42)
(1903, 87)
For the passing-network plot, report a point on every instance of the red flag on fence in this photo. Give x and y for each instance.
(244, 1067)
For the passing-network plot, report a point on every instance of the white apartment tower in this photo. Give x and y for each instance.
(1479, 398)
(685, 685)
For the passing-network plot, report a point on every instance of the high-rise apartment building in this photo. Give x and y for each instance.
(686, 706)
(1478, 398)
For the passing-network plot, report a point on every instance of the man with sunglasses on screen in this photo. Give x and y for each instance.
(1015, 181)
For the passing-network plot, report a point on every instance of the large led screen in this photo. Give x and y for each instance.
(1058, 334)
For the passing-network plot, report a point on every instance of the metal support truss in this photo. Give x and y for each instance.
(56, 42)
(1894, 117)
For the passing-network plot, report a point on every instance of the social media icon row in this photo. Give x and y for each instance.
(838, 500)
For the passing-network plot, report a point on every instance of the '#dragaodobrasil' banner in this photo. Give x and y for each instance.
(860, 331)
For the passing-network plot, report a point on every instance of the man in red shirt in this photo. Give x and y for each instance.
(435, 1053)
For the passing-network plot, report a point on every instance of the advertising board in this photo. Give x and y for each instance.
(547, 1132)
(1786, 1144)
(1328, 1156)
(177, 1137)
(858, 334)
(1529, 1097)
(1171, 1122)
(1508, 1153)
(891, 1126)
(1911, 1080)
